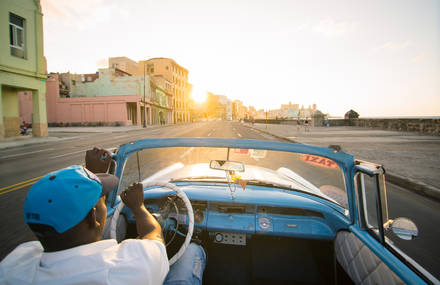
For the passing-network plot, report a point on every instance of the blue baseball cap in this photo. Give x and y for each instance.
(62, 199)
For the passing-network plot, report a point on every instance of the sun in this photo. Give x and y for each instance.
(198, 94)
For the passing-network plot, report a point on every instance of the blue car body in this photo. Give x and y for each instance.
(323, 219)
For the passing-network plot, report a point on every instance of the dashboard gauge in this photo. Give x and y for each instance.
(264, 223)
(218, 237)
(198, 216)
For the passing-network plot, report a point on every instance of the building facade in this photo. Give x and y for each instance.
(238, 110)
(85, 110)
(124, 63)
(22, 65)
(180, 87)
(161, 100)
(113, 97)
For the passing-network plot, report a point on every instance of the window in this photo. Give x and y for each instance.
(16, 35)
(373, 201)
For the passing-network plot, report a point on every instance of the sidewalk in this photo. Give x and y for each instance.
(56, 134)
(411, 160)
(95, 129)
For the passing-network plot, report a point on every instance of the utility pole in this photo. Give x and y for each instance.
(145, 107)
(266, 119)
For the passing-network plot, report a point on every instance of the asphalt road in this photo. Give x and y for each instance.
(22, 166)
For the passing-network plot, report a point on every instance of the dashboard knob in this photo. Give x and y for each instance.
(264, 223)
(218, 237)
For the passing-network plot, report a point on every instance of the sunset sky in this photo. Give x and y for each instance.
(378, 57)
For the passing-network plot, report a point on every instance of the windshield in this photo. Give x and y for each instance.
(280, 170)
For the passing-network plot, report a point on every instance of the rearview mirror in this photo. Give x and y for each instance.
(227, 165)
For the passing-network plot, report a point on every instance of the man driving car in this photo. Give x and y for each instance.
(66, 210)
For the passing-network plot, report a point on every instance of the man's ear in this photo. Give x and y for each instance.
(91, 219)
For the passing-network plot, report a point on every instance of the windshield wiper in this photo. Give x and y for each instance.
(267, 184)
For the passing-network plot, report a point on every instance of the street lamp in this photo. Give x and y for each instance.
(145, 110)
(266, 118)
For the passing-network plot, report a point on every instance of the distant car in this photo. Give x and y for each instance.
(267, 212)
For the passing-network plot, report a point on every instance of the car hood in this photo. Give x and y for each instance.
(201, 172)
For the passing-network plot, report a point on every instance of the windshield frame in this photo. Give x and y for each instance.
(343, 160)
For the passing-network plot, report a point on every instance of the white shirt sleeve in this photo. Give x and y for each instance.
(142, 262)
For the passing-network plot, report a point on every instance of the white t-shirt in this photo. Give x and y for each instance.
(102, 262)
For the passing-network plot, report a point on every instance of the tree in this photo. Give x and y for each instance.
(351, 115)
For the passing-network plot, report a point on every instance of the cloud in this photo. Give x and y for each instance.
(302, 27)
(418, 58)
(81, 14)
(332, 28)
(393, 46)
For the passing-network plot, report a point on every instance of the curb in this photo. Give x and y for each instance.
(6, 145)
(88, 131)
(409, 184)
(274, 135)
(9, 145)
(414, 186)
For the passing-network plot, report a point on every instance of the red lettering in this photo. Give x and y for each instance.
(313, 159)
(319, 161)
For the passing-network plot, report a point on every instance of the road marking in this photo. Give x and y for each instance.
(239, 135)
(25, 153)
(123, 136)
(70, 153)
(19, 185)
(186, 152)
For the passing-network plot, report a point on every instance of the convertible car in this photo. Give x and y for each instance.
(267, 212)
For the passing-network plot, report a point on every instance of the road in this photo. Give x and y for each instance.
(20, 167)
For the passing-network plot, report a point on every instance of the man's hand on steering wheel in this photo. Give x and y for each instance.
(133, 196)
(146, 225)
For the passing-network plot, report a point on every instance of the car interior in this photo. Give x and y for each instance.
(309, 249)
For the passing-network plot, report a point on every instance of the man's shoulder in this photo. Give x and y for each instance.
(23, 252)
(24, 259)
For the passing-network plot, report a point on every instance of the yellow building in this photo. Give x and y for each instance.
(22, 65)
(178, 77)
(125, 64)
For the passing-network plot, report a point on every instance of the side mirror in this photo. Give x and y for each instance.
(227, 165)
(404, 228)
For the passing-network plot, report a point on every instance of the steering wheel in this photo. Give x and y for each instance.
(189, 209)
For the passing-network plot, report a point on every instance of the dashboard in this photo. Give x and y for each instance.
(233, 223)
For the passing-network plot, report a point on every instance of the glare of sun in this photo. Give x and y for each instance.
(198, 94)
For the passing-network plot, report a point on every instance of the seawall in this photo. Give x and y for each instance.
(423, 126)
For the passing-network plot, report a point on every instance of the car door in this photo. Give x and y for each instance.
(364, 251)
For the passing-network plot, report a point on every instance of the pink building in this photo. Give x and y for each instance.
(25, 106)
(124, 110)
